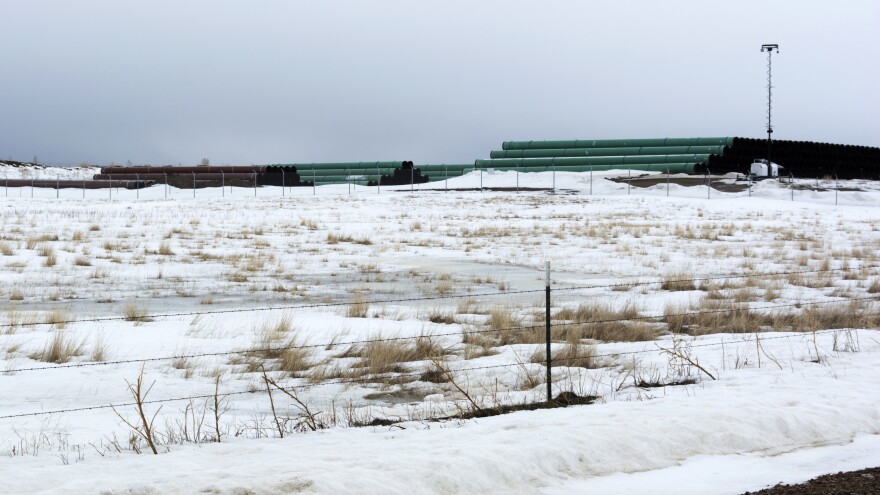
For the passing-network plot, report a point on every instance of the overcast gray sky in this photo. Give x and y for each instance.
(282, 81)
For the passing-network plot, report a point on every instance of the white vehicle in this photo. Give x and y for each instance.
(763, 169)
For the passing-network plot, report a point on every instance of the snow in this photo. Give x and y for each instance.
(271, 254)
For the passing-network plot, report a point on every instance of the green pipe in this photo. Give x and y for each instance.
(616, 143)
(597, 160)
(673, 168)
(642, 150)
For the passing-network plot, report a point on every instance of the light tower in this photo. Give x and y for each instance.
(769, 49)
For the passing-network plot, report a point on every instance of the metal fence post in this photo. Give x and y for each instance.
(194, 184)
(708, 184)
(314, 183)
(32, 187)
(6, 178)
(547, 336)
(667, 181)
(481, 180)
(166, 184)
(57, 185)
(750, 185)
(835, 189)
(378, 179)
(255, 183)
(628, 180)
(517, 178)
(411, 177)
(84, 189)
(348, 176)
(137, 185)
(552, 162)
(446, 179)
(223, 183)
(591, 180)
(791, 184)
(283, 182)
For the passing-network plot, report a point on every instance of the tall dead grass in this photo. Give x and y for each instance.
(711, 316)
(603, 321)
(59, 349)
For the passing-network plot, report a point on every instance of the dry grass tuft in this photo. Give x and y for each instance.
(572, 354)
(6, 249)
(58, 318)
(603, 321)
(385, 355)
(358, 308)
(437, 315)
(136, 313)
(59, 349)
(165, 249)
(678, 281)
(874, 288)
(728, 317)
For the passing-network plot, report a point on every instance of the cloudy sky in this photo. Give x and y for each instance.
(241, 82)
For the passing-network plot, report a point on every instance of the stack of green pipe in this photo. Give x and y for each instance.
(672, 168)
(616, 143)
(629, 161)
(625, 151)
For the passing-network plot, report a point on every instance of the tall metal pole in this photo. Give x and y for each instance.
(769, 49)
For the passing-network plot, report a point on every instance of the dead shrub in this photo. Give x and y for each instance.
(874, 288)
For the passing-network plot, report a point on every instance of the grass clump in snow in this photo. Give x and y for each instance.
(385, 354)
(358, 307)
(603, 321)
(678, 281)
(59, 349)
(136, 313)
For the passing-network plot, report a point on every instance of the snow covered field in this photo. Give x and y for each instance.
(777, 370)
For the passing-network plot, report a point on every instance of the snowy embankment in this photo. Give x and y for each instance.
(761, 412)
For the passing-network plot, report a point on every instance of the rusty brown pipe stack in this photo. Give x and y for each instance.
(78, 184)
(161, 177)
(227, 169)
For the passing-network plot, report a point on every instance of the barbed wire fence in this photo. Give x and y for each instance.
(454, 370)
